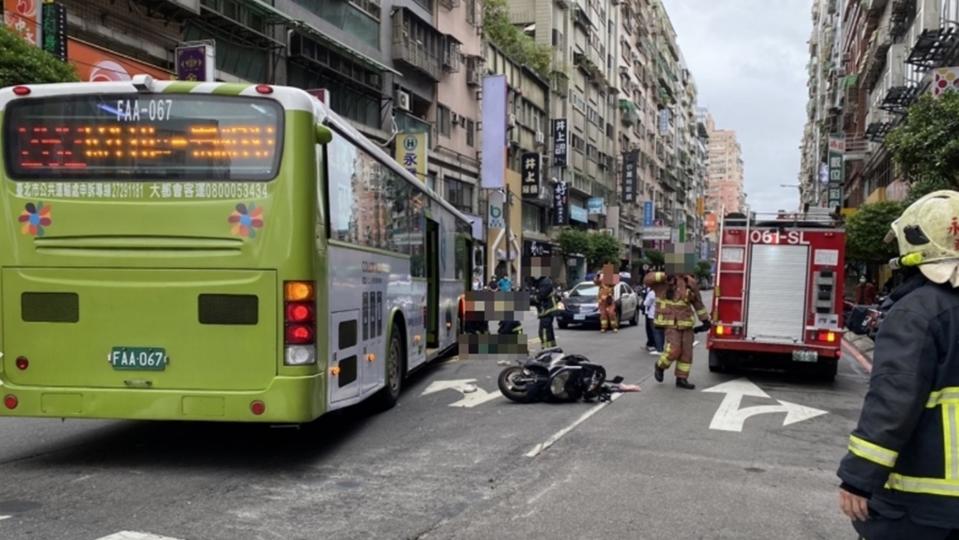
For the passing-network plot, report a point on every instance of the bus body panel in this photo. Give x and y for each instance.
(232, 348)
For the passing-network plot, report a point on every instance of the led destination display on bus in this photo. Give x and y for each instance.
(143, 137)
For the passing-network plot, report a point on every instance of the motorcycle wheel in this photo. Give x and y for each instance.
(512, 384)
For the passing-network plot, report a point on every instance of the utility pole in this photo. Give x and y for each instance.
(509, 264)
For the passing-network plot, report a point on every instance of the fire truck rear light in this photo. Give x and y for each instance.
(720, 330)
(10, 401)
(828, 337)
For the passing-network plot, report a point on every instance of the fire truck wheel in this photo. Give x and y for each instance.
(716, 364)
(827, 368)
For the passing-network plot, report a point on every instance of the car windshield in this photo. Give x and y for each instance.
(585, 290)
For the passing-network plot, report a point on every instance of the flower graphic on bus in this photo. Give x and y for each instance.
(246, 220)
(34, 218)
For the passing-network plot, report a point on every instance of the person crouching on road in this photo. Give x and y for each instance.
(900, 477)
(607, 304)
(678, 304)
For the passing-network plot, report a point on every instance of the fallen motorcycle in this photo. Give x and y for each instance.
(551, 375)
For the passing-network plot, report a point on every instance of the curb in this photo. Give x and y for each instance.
(863, 358)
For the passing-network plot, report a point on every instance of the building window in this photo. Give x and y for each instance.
(443, 123)
(471, 12)
(578, 142)
(532, 218)
(459, 194)
(359, 18)
(470, 133)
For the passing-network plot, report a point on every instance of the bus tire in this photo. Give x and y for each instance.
(394, 362)
(716, 364)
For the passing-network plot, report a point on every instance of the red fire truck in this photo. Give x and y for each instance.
(779, 291)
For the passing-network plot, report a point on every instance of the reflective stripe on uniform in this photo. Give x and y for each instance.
(702, 314)
(872, 452)
(928, 486)
(950, 417)
(946, 395)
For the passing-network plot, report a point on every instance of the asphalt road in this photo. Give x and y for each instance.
(647, 465)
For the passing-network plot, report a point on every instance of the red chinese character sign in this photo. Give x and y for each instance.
(24, 17)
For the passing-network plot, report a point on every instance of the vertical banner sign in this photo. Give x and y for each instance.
(411, 153)
(493, 159)
(496, 219)
(531, 175)
(560, 144)
(24, 17)
(195, 62)
(837, 148)
(630, 160)
(55, 29)
(561, 204)
(649, 214)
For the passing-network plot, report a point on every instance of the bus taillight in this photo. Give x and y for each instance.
(10, 401)
(299, 318)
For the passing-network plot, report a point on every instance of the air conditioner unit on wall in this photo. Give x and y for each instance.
(403, 100)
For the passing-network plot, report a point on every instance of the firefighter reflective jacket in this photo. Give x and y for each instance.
(905, 450)
(675, 311)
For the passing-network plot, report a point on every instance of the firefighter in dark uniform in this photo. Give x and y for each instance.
(678, 306)
(543, 294)
(900, 478)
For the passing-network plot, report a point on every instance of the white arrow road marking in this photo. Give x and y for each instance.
(134, 535)
(729, 417)
(472, 394)
(5, 517)
(542, 447)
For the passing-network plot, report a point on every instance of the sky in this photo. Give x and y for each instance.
(749, 58)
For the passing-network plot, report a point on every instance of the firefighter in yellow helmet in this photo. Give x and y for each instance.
(900, 477)
(678, 306)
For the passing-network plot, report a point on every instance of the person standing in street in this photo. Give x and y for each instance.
(607, 303)
(900, 477)
(654, 336)
(505, 284)
(547, 306)
(678, 305)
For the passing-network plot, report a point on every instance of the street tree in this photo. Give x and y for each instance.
(23, 63)
(603, 248)
(655, 258)
(926, 144)
(573, 242)
(866, 230)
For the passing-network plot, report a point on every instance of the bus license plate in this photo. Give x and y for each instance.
(138, 358)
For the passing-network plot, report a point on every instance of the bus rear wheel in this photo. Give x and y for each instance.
(395, 355)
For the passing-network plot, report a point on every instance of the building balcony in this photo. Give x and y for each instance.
(423, 54)
(899, 98)
(935, 47)
(877, 131)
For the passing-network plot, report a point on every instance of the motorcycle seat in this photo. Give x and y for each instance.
(550, 350)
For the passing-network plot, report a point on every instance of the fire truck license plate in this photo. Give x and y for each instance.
(805, 356)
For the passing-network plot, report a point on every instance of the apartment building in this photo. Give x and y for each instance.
(724, 192)
(887, 51)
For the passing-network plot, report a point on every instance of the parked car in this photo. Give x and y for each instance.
(581, 305)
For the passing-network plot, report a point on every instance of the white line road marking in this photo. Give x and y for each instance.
(729, 417)
(542, 447)
(472, 394)
(134, 535)
(5, 517)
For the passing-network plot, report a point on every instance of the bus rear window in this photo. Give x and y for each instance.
(143, 137)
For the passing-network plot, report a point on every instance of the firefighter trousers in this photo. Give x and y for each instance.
(547, 337)
(607, 316)
(679, 349)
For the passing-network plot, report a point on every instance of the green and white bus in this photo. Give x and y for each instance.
(212, 251)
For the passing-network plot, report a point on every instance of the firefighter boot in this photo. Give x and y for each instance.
(685, 384)
(658, 374)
